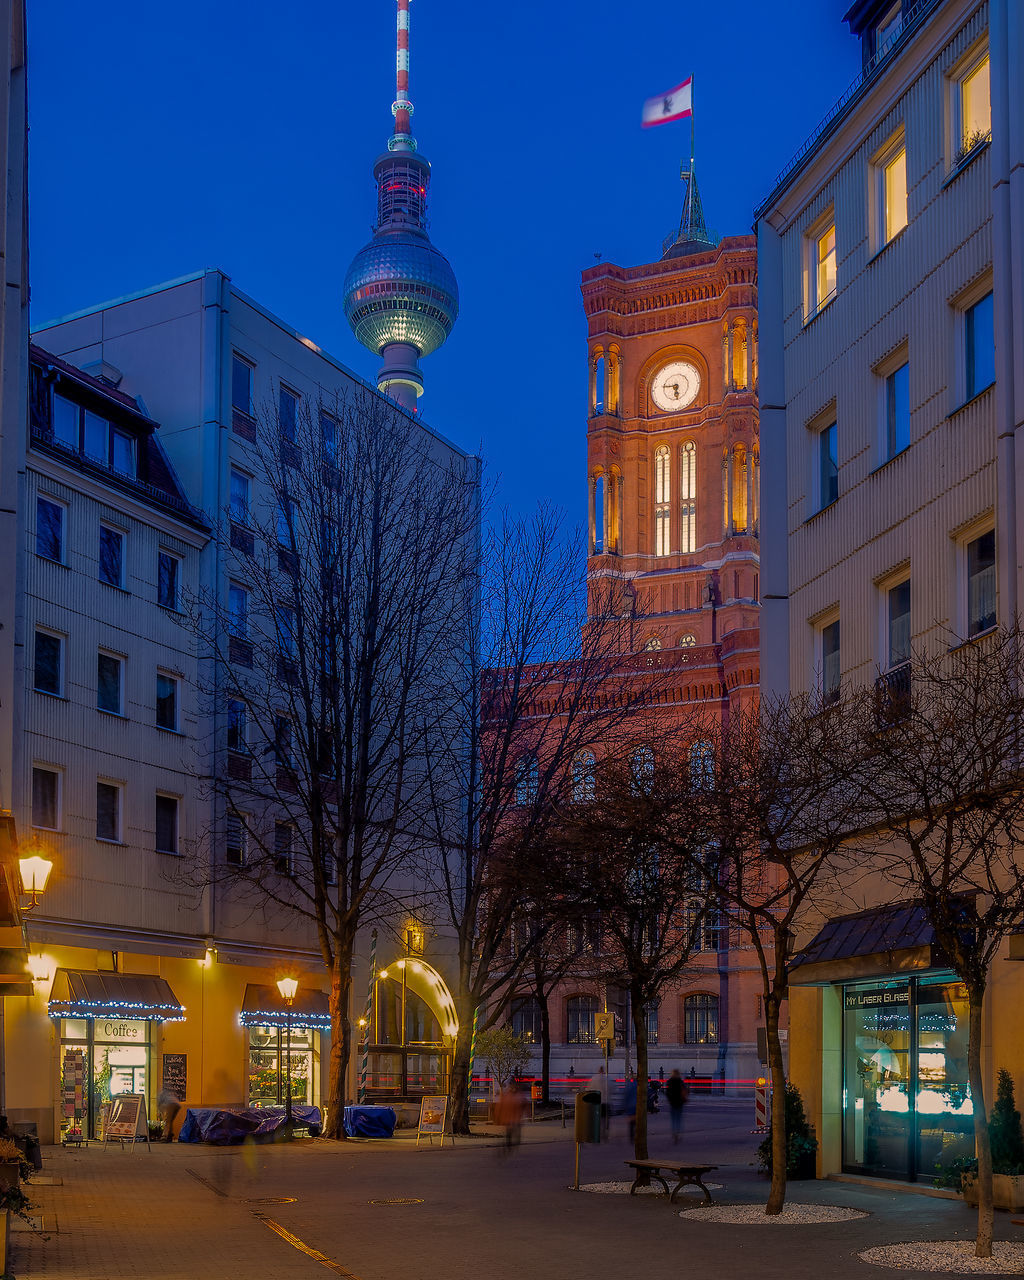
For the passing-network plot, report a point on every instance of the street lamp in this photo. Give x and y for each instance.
(35, 871)
(288, 988)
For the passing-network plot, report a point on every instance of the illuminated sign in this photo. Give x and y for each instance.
(878, 997)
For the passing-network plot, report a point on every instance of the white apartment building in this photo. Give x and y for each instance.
(891, 306)
(145, 978)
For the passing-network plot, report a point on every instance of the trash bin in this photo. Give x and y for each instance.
(588, 1116)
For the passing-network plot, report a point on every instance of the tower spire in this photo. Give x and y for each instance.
(692, 234)
(401, 296)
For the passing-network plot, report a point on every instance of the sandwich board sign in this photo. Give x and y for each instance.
(126, 1119)
(433, 1113)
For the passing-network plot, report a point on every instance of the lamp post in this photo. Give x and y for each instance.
(288, 988)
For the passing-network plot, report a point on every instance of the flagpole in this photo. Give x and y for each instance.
(689, 185)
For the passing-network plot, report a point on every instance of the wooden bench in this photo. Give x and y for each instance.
(688, 1174)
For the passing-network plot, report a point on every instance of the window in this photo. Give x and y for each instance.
(240, 486)
(981, 583)
(828, 465)
(821, 273)
(688, 497)
(329, 436)
(889, 180)
(66, 425)
(46, 798)
(888, 28)
(111, 557)
(652, 645)
(583, 777)
(971, 112)
(108, 811)
(979, 347)
(166, 701)
(581, 1023)
(898, 610)
(527, 779)
(88, 433)
(167, 578)
(238, 730)
(109, 683)
(687, 641)
(238, 611)
(662, 493)
(166, 824)
(704, 925)
(599, 385)
(286, 511)
(831, 673)
(50, 530)
(641, 770)
(241, 385)
(702, 765)
(283, 832)
(49, 663)
(526, 1019)
(286, 632)
(235, 840)
(287, 414)
(652, 1023)
(597, 521)
(283, 741)
(897, 411)
(700, 1019)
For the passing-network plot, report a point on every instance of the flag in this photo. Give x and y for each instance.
(674, 105)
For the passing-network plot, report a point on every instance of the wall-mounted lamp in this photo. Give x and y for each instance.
(35, 871)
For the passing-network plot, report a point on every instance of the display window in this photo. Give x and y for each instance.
(101, 1058)
(269, 1063)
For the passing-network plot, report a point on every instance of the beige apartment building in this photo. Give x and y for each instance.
(891, 256)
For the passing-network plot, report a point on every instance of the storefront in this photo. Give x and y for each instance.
(412, 1032)
(283, 1044)
(107, 1024)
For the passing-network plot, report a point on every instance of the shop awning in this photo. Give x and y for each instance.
(264, 1007)
(81, 993)
(896, 938)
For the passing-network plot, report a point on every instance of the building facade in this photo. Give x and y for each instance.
(892, 387)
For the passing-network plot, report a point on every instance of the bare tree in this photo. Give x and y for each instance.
(333, 679)
(528, 718)
(944, 738)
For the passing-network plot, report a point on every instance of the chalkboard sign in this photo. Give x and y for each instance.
(175, 1074)
(126, 1119)
(433, 1112)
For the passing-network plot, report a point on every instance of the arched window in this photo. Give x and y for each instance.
(700, 1019)
(641, 770)
(739, 489)
(662, 497)
(652, 1022)
(599, 388)
(687, 641)
(702, 765)
(583, 777)
(597, 490)
(526, 1019)
(614, 371)
(580, 1019)
(688, 497)
(653, 644)
(527, 779)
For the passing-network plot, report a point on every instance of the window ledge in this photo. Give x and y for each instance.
(889, 461)
(117, 715)
(979, 635)
(107, 840)
(821, 307)
(165, 729)
(115, 586)
(878, 252)
(967, 403)
(50, 560)
(169, 853)
(61, 697)
(821, 511)
(171, 608)
(966, 162)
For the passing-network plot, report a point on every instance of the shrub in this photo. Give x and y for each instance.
(1005, 1135)
(801, 1144)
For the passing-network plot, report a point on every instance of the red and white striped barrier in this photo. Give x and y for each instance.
(762, 1106)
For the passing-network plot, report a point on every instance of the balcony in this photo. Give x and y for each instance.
(893, 696)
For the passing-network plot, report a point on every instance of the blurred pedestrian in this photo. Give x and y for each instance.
(509, 1114)
(598, 1083)
(168, 1105)
(627, 1105)
(677, 1094)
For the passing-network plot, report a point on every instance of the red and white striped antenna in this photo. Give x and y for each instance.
(401, 108)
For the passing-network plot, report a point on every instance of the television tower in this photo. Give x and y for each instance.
(401, 296)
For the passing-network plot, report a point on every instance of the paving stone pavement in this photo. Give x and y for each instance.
(462, 1214)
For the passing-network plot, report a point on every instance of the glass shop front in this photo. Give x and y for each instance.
(906, 1099)
(101, 1058)
(274, 1056)
(408, 1057)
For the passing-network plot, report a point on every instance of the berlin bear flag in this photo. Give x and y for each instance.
(674, 105)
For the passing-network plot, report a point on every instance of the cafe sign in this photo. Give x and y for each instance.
(122, 1030)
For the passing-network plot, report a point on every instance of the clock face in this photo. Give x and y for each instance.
(675, 386)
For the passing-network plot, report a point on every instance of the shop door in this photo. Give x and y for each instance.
(945, 1116)
(878, 1034)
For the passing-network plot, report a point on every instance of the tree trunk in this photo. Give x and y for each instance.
(983, 1241)
(545, 1049)
(777, 1191)
(461, 1083)
(341, 1040)
(640, 1034)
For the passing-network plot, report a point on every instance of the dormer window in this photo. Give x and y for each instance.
(888, 28)
(93, 436)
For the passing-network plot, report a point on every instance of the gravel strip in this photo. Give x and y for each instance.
(792, 1215)
(954, 1256)
(622, 1188)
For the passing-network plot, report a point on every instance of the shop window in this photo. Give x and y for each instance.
(700, 1019)
(581, 1019)
(272, 1065)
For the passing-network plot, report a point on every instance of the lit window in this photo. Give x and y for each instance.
(581, 1019)
(828, 466)
(238, 611)
(166, 701)
(50, 530)
(739, 489)
(899, 635)
(889, 174)
(652, 645)
(979, 347)
(288, 414)
(241, 386)
(972, 109)
(240, 485)
(981, 583)
(108, 811)
(599, 387)
(168, 572)
(662, 494)
(687, 641)
(700, 1019)
(166, 824)
(111, 557)
(238, 737)
(108, 683)
(46, 798)
(651, 1020)
(897, 411)
(688, 497)
(583, 777)
(526, 1019)
(822, 266)
(235, 839)
(527, 780)
(597, 515)
(831, 673)
(49, 664)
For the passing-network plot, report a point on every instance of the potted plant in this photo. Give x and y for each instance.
(13, 1165)
(801, 1144)
(1006, 1137)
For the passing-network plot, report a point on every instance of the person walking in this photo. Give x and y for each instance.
(677, 1094)
(509, 1113)
(627, 1104)
(598, 1083)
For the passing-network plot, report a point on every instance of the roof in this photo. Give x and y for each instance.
(82, 993)
(265, 1007)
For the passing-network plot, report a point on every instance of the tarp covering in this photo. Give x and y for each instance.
(83, 993)
(370, 1122)
(265, 1007)
(227, 1126)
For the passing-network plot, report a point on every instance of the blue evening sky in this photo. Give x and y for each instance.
(242, 135)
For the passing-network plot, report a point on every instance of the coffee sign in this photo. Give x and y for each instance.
(122, 1030)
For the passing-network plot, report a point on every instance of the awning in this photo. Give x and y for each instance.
(265, 1007)
(896, 938)
(82, 993)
